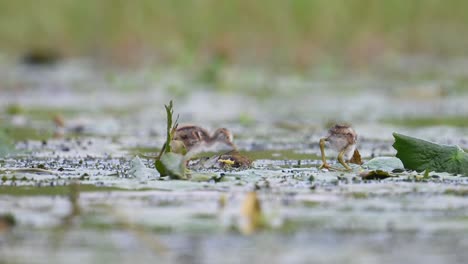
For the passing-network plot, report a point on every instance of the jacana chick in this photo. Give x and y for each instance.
(196, 139)
(343, 139)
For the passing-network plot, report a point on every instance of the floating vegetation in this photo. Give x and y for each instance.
(384, 164)
(417, 154)
(169, 163)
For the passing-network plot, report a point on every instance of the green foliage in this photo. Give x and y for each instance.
(14, 109)
(420, 155)
(275, 27)
(169, 163)
(170, 130)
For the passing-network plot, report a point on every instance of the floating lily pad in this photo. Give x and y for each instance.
(384, 163)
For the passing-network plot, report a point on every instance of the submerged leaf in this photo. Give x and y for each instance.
(417, 154)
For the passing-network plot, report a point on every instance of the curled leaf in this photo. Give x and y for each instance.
(419, 155)
(356, 159)
(172, 165)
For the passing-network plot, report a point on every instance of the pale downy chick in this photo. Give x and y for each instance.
(196, 139)
(343, 139)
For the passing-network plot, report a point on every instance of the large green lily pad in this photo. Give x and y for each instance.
(417, 154)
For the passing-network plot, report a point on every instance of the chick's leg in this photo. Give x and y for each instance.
(341, 159)
(324, 165)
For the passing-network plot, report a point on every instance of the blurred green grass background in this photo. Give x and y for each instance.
(295, 32)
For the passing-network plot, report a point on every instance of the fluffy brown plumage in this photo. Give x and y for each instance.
(343, 139)
(194, 137)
